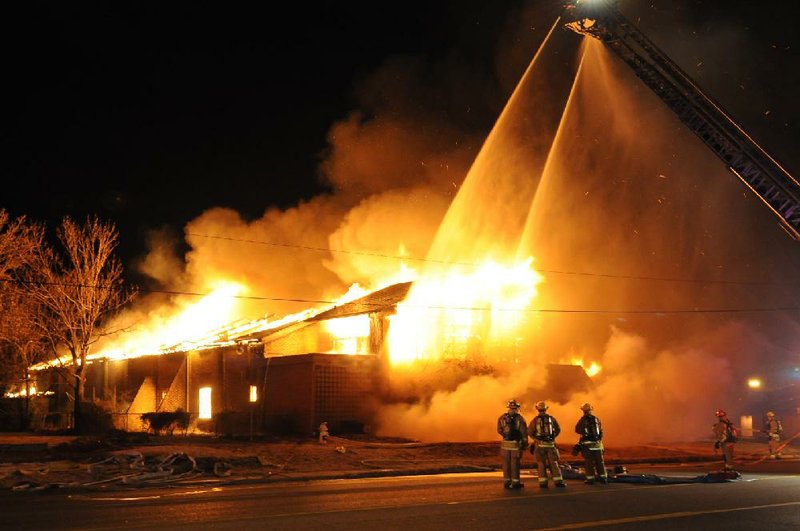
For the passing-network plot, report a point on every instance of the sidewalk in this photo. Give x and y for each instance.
(34, 462)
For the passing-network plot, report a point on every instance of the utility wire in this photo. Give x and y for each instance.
(472, 264)
(381, 306)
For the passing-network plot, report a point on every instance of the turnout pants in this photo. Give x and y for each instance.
(727, 455)
(774, 444)
(595, 464)
(511, 453)
(546, 456)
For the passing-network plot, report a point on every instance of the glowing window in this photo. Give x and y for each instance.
(746, 425)
(205, 402)
(253, 393)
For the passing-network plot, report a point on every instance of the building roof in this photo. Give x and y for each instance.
(383, 299)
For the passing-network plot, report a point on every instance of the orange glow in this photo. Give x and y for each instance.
(22, 393)
(591, 369)
(253, 393)
(193, 326)
(444, 317)
(754, 383)
(350, 334)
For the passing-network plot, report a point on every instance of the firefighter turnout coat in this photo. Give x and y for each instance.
(544, 430)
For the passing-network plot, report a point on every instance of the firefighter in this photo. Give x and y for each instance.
(323, 433)
(512, 427)
(591, 445)
(724, 437)
(544, 430)
(773, 429)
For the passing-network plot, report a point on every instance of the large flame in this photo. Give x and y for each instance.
(350, 334)
(197, 324)
(448, 315)
(205, 322)
(591, 368)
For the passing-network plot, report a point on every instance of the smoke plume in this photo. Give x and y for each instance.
(628, 217)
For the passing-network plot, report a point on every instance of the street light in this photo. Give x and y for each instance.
(754, 383)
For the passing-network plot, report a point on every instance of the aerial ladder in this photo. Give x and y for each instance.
(705, 118)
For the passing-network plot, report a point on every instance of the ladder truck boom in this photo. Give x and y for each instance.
(737, 149)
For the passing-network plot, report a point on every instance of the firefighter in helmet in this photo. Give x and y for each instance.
(774, 430)
(544, 430)
(724, 437)
(324, 433)
(512, 427)
(591, 445)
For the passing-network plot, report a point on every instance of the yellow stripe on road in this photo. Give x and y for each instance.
(664, 516)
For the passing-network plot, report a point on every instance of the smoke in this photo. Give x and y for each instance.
(648, 395)
(392, 166)
(464, 414)
(413, 216)
(642, 395)
(162, 262)
(630, 218)
(596, 177)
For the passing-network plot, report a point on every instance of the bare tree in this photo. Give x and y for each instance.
(80, 286)
(21, 343)
(19, 240)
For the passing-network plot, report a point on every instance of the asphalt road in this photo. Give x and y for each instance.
(761, 500)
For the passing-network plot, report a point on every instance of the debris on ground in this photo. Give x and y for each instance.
(126, 461)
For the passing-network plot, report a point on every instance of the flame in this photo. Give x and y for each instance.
(355, 291)
(350, 335)
(591, 369)
(21, 393)
(446, 316)
(200, 323)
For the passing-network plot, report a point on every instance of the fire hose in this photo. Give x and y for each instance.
(778, 450)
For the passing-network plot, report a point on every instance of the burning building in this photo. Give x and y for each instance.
(285, 376)
(647, 274)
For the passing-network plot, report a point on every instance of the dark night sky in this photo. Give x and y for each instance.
(148, 114)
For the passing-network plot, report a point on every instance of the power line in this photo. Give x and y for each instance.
(471, 264)
(159, 291)
(381, 306)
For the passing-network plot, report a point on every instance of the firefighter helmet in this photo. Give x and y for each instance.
(721, 413)
(541, 406)
(586, 407)
(770, 414)
(513, 404)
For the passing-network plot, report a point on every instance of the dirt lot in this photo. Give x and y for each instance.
(30, 462)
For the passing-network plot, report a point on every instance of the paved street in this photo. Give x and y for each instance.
(760, 500)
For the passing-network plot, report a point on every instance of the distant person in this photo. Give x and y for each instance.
(724, 437)
(591, 445)
(323, 433)
(774, 430)
(544, 430)
(512, 427)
